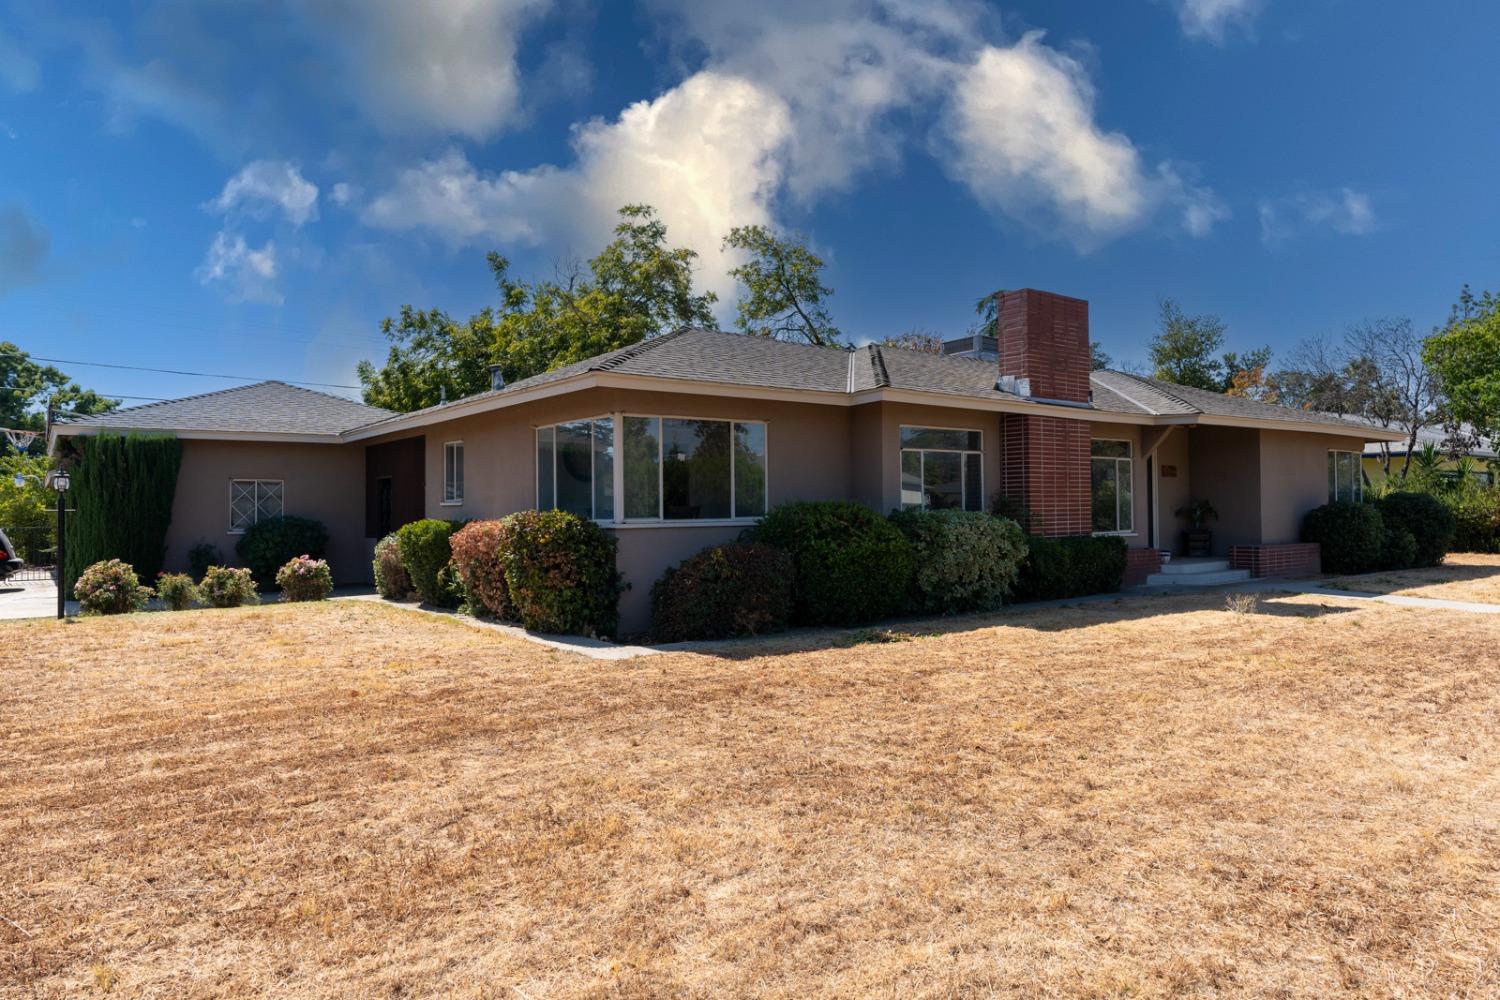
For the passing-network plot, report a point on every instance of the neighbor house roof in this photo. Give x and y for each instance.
(1439, 438)
(271, 410)
(710, 361)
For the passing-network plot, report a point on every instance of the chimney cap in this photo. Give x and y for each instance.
(497, 377)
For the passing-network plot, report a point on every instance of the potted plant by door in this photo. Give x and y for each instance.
(1198, 538)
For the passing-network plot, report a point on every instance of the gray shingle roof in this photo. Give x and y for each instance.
(1165, 398)
(264, 408)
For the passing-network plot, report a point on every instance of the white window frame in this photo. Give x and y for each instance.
(616, 518)
(1129, 461)
(452, 498)
(963, 473)
(1359, 475)
(614, 443)
(246, 479)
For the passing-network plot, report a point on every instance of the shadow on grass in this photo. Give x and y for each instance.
(1061, 616)
(1395, 581)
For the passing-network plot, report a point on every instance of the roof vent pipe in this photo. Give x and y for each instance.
(497, 378)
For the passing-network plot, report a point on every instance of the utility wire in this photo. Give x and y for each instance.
(173, 371)
(105, 395)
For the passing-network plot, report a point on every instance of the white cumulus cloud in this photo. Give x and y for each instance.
(1211, 19)
(269, 184)
(705, 155)
(244, 273)
(1346, 211)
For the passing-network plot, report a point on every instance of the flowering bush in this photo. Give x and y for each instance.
(176, 590)
(227, 587)
(110, 588)
(391, 579)
(305, 579)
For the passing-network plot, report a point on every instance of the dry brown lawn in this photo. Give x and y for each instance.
(1149, 797)
(1463, 576)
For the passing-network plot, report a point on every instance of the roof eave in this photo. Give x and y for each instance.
(190, 434)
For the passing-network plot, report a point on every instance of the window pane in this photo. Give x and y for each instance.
(458, 471)
(1126, 485)
(911, 480)
(267, 500)
(604, 469)
(1349, 474)
(642, 467)
(933, 437)
(942, 480)
(544, 468)
(241, 505)
(1105, 502)
(575, 459)
(973, 483)
(749, 470)
(695, 469)
(1109, 449)
(1333, 476)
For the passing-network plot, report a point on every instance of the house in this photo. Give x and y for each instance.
(1485, 461)
(679, 442)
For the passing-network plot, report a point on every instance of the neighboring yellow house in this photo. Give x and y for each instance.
(1483, 456)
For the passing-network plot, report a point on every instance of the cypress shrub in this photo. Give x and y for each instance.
(1426, 518)
(965, 560)
(122, 489)
(738, 589)
(270, 544)
(1351, 536)
(853, 566)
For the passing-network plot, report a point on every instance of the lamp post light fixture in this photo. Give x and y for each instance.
(60, 483)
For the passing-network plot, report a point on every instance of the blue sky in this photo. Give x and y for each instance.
(248, 188)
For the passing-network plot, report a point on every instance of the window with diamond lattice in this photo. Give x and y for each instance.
(253, 500)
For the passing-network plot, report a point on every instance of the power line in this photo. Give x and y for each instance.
(105, 395)
(173, 371)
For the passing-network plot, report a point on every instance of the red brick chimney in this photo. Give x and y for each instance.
(1044, 338)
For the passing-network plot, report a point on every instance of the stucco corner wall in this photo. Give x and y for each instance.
(321, 481)
(1294, 473)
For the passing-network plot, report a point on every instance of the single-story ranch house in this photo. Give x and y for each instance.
(679, 442)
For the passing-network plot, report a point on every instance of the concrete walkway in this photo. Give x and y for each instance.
(1312, 589)
(31, 599)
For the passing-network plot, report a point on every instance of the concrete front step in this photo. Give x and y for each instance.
(1211, 578)
(1186, 567)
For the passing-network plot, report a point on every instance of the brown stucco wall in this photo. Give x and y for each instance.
(1294, 477)
(1225, 470)
(1172, 492)
(322, 481)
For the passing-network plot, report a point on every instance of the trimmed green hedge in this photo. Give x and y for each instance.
(964, 560)
(272, 542)
(743, 588)
(1071, 566)
(1477, 520)
(425, 551)
(560, 571)
(852, 565)
(1426, 518)
(123, 487)
(1352, 536)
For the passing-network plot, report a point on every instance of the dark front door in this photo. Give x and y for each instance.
(395, 485)
(384, 488)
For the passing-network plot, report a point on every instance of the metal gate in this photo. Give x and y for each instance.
(37, 546)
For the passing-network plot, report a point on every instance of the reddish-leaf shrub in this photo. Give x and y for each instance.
(391, 579)
(739, 589)
(478, 555)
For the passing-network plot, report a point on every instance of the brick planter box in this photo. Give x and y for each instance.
(1293, 559)
(1139, 564)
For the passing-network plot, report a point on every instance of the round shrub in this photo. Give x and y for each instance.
(1071, 566)
(177, 591)
(227, 587)
(560, 570)
(110, 587)
(1477, 516)
(266, 545)
(1351, 536)
(743, 588)
(425, 550)
(305, 579)
(1398, 547)
(965, 560)
(478, 560)
(391, 580)
(852, 565)
(1428, 520)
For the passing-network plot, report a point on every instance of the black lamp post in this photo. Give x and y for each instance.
(60, 483)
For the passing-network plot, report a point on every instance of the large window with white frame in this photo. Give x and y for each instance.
(942, 468)
(254, 500)
(575, 468)
(1346, 483)
(670, 468)
(1112, 482)
(453, 473)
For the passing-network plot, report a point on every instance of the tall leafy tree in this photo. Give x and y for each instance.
(1465, 356)
(784, 294)
(637, 287)
(26, 387)
(1185, 351)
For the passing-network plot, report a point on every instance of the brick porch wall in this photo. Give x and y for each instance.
(1045, 466)
(1293, 559)
(1139, 564)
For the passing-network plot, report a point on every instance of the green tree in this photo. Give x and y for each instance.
(1465, 356)
(23, 509)
(637, 287)
(921, 341)
(26, 387)
(784, 291)
(1185, 351)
